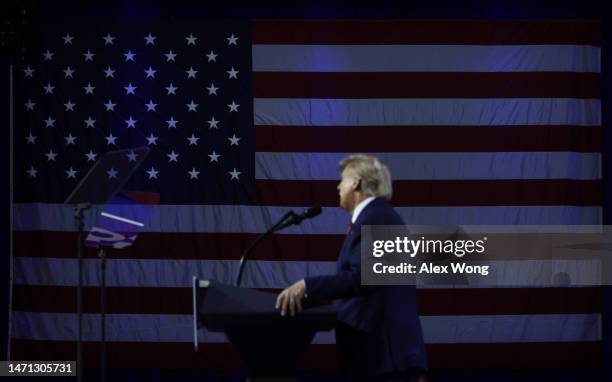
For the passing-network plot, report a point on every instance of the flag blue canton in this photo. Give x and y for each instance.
(185, 93)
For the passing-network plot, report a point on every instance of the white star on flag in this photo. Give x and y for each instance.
(68, 39)
(212, 56)
(214, 157)
(192, 106)
(88, 55)
(109, 72)
(232, 73)
(152, 173)
(173, 157)
(69, 106)
(49, 88)
(151, 106)
(131, 123)
(48, 55)
(70, 139)
(233, 107)
(232, 40)
(191, 73)
(234, 140)
(212, 89)
(151, 139)
(49, 122)
(89, 122)
(68, 72)
(150, 72)
(172, 123)
(191, 39)
(29, 105)
(32, 172)
(108, 39)
(112, 173)
(110, 106)
(89, 89)
(132, 156)
(193, 174)
(129, 89)
(50, 156)
(171, 89)
(193, 140)
(91, 156)
(31, 139)
(170, 56)
(150, 40)
(213, 123)
(235, 174)
(129, 56)
(28, 72)
(110, 139)
(71, 173)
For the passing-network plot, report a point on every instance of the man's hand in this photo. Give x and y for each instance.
(291, 298)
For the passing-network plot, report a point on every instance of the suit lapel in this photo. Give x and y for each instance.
(356, 231)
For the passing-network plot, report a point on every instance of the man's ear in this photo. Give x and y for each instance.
(356, 185)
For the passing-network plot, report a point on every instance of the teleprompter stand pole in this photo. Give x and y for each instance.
(102, 256)
(78, 215)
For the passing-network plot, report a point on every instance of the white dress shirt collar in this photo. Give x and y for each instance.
(360, 208)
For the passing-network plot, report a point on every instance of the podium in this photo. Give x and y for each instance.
(269, 345)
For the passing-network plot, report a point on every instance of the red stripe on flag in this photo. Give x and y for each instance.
(514, 355)
(431, 302)
(223, 246)
(199, 246)
(514, 192)
(428, 138)
(427, 85)
(442, 357)
(457, 32)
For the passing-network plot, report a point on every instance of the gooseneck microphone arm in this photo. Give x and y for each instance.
(278, 226)
(288, 219)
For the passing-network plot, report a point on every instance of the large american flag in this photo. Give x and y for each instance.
(480, 122)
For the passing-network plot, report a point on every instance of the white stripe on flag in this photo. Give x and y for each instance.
(165, 273)
(273, 274)
(437, 166)
(256, 219)
(426, 58)
(436, 329)
(421, 112)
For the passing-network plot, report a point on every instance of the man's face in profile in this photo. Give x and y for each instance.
(346, 189)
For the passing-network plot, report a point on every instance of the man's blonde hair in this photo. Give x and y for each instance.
(374, 175)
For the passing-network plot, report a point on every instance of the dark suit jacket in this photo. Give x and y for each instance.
(388, 314)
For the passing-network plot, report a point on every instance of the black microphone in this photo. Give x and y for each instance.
(308, 214)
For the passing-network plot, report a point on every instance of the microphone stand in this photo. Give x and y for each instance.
(282, 223)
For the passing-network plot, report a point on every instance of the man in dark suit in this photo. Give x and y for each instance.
(379, 336)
